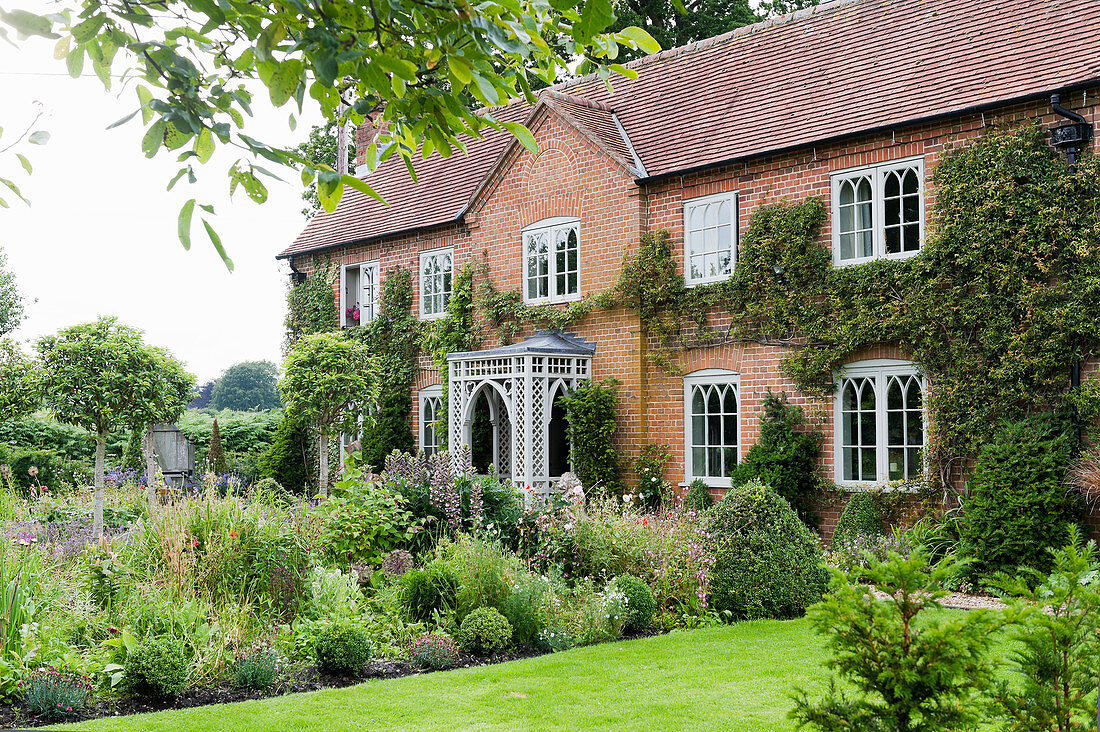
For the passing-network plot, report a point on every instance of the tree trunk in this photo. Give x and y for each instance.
(152, 469)
(322, 453)
(97, 510)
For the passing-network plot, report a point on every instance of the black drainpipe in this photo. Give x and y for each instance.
(1073, 138)
(296, 277)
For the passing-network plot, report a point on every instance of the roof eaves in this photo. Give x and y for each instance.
(458, 219)
(639, 167)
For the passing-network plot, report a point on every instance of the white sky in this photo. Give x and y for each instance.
(100, 235)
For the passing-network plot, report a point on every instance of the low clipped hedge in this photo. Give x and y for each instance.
(768, 564)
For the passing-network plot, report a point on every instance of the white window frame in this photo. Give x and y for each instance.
(424, 395)
(879, 370)
(374, 269)
(735, 226)
(877, 174)
(551, 226)
(703, 378)
(424, 257)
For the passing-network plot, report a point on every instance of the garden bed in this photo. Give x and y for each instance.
(304, 680)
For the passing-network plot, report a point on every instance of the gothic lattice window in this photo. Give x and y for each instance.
(436, 270)
(710, 238)
(878, 212)
(551, 260)
(712, 428)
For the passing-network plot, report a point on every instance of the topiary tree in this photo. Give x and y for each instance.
(590, 413)
(325, 374)
(250, 386)
(215, 454)
(784, 457)
(101, 376)
(861, 515)
(698, 497)
(767, 562)
(19, 382)
(1018, 506)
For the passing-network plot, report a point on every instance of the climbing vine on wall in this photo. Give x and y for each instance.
(311, 306)
(455, 333)
(1004, 296)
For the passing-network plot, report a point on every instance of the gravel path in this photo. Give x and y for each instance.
(962, 601)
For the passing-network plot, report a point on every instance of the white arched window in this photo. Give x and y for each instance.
(712, 427)
(431, 411)
(878, 211)
(551, 260)
(710, 238)
(880, 428)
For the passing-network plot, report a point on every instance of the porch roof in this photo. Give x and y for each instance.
(543, 343)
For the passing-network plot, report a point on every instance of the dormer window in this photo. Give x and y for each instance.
(359, 285)
(551, 260)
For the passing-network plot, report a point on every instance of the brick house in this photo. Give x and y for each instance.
(852, 101)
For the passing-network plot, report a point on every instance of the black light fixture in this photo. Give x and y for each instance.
(1072, 137)
(296, 277)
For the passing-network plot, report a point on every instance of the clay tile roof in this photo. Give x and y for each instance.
(838, 69)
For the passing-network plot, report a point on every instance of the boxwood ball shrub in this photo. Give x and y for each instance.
(861, 515)
(436, 651)
(641, 605)
(342, 648)
(698, 497)
(484, 631)
(157, 667)
(767, 562)
(1019, 507)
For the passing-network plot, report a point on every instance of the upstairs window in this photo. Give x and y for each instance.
(431, 412)
(881, 425)
(359, 293)
(551, 261)
(436, 271)
(710, 238)
(878, 212)
(711, 426)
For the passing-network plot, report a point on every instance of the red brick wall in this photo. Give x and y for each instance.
(571, 177)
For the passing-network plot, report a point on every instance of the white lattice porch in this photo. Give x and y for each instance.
(520, 382)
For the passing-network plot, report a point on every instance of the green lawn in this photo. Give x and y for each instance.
(737, 677)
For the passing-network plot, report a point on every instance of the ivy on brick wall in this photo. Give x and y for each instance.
(311, 306)
(1003, 298)
(455, 333)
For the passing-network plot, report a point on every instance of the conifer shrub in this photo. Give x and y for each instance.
(215, 454)
(768, 564)
(785, 456)
(343, 648)
(484, 631)
(132, 459)
(1019, 508)
(590, 413)
(861, 516)
(907, 667)
(698, 497)
(641, 605)
(284, 461)
(157, 667)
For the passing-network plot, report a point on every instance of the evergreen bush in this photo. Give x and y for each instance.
(285, 460)
(641, 605)
(767, 562)
(590, 412)
(428, 591)
(132, 458)
(784, 457)
(698, 497)
(157, 667)
(484, 631)
(343, 648)
(215, 454)
(861, 515)
(1019, 508)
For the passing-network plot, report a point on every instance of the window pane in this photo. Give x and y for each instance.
(851, 427)
(848, 399)
(851, 463)
(867, 246)
(729, 401)
(867, 430)
(697, 401)
(896, 467)
(847, 246)
(698, 430)
(866, 395)
(714, 461)
(714, 429)
(714, 405)
(892, 188)
(723, 212)
(847, 193)
(869, 468)
(914, 427)
(698, 461)
(729, 434)
(863, 216)
(892, 211)
(911, 184)
(847, 218)
(895, 428)
(730, 461)
(912, 208)
(913, 467)
(893, 240)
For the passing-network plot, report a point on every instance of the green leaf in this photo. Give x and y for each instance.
(642, 40)
(74, 62)
(154, 138)
(284, 82)
(204, 145)
(460, 68)
(522, 134)
(595, 17)
(39, 137)
(184, 224)
(357, 184)
(217, 242)
(145, 96)
(25, 163)
(29, 24)
(124, 120)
